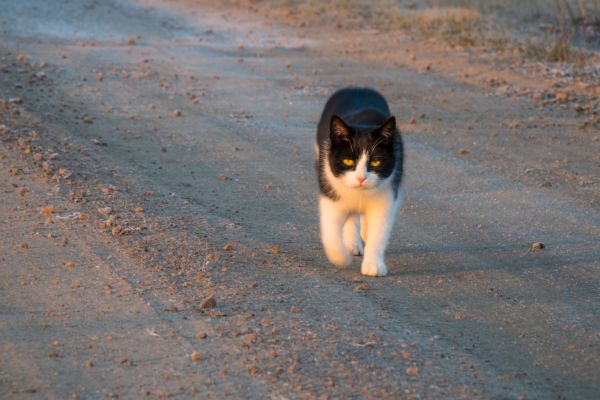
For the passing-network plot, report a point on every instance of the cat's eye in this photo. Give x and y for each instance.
(375, 164)
(348, 162)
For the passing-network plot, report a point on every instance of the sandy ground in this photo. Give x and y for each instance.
(156, 154)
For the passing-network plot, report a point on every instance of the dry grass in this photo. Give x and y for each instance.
(546, 30)
(558, 51)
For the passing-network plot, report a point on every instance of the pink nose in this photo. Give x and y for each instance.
(361, 179)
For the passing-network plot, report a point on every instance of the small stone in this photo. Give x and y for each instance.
(176, 114)
(562, 96)
(97, 142)
(275, 250)
(47, 210)
(131, 42)
(412, 371)
(252, 369)
(195, 356)
(228, 247)
(88, 364)
(24, 246)
(139, 210)
(201, 335)
(514, 124)
(70, 265)
(38, 157)
(364, 286)
(294, 310)
(88, 120)
(463, 152)
(538, 246)
(223, 177)
(209, 302)
(105, 211)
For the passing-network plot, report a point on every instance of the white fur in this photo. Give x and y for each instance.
(364, 210)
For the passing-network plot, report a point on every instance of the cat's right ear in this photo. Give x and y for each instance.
(338, 129)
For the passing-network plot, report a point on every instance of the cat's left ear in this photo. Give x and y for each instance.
(338, 129)
(388, 129)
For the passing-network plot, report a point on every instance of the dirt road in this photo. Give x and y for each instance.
(165, 150)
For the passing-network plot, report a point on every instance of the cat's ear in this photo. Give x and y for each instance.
(338, 129)
(388, 129)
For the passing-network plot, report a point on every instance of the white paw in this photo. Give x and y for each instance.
(357, 249)
(341, 258)
(373, 267)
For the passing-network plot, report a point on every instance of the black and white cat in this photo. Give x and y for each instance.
(359, 164)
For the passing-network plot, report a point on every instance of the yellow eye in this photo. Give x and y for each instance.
(375, 164)
(348, 162)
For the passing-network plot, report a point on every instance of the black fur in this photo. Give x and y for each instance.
(355, 120)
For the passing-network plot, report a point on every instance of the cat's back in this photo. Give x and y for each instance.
(350, 102)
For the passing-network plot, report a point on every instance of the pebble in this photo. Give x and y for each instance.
(105, 211)
(275, 250)
(209, 302)
(47, 210)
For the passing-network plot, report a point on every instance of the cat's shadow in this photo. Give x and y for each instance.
(409, 261)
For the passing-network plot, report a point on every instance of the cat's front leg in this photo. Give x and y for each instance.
(352, 239)
(333, 217)
(380, 217)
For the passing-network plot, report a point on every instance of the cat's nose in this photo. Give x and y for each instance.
(361, 179)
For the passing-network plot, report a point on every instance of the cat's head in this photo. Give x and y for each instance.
(362, 157)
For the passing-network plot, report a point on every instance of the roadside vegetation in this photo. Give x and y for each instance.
(556, 31)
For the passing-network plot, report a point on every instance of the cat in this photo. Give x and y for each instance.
(360, 159)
